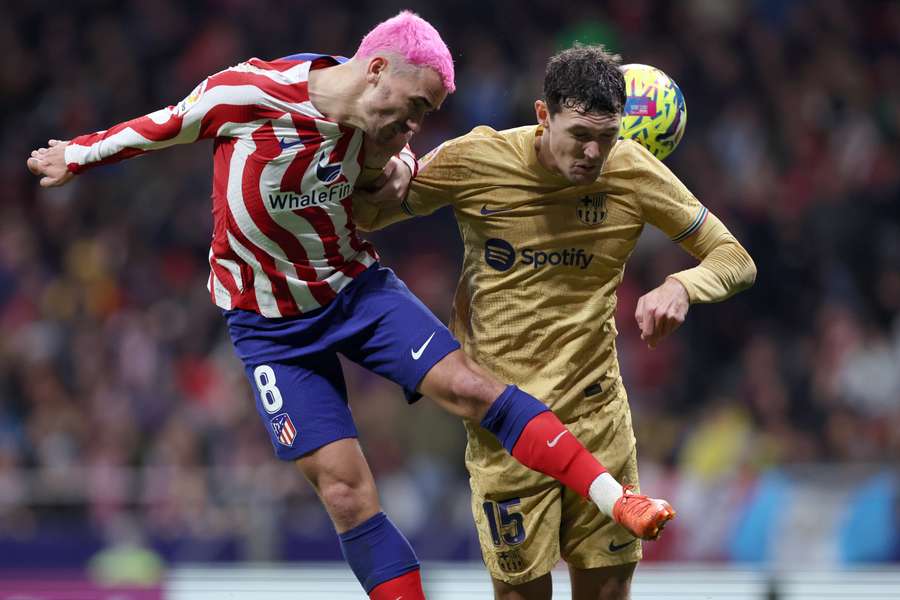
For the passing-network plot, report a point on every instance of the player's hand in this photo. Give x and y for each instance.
(661, 311)
(50, 164)
(392, 185)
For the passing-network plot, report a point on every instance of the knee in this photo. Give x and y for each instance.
(615, 589)
(348, 503)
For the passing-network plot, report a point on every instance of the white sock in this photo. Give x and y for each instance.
(604, 491)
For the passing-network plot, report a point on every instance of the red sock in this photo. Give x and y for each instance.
(406, 587)
(546, 445)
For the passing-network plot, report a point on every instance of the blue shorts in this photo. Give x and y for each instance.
(293, 365)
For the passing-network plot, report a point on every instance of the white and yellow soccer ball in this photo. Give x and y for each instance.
(655, 111)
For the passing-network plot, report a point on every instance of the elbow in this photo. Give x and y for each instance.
(749, 272)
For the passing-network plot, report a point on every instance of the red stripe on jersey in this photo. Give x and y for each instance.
(324, 226)
(340, 149)
(322, 292)
(234, 113)
(355, 242)
(223, 222)
(293, 175)
(279, 65)
(144, 125)
(353, 268)
(289, 92)
(267, 143)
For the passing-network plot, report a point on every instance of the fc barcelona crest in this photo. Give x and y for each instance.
(591, 210)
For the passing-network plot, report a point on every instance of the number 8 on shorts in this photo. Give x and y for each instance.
(269, 393)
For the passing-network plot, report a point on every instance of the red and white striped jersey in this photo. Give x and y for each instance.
(284, 241)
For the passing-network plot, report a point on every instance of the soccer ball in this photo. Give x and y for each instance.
(655, 112)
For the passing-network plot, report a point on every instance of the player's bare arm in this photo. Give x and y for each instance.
(50, 164)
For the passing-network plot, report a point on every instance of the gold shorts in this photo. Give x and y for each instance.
(525, 532)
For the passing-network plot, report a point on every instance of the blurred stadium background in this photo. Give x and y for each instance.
(129, 445)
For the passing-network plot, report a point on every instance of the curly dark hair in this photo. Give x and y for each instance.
(585, 78)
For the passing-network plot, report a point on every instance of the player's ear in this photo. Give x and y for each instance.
(541, 112)
(375, 68)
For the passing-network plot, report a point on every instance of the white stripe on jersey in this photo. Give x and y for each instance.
(339, 280)
(222, 297)
(292, 76)
(262, 286)
(129, 138)
(285, 266)
(298, 227)
(229, 265)
(296, 74)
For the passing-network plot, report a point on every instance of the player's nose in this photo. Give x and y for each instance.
(592, 150)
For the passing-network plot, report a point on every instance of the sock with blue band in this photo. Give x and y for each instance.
(535, 437)
(378, 554)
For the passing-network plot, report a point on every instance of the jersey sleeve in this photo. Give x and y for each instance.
(439, 179)
(217, 107)
(444, 175)
(664, 201)
(725, 265)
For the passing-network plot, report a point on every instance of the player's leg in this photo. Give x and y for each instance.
(341, 477)
(519, 537)
(601, 554)
(399, 338)
(536, 589)
(302, 398)
(379, 555)
(603, 583)
(535, 437)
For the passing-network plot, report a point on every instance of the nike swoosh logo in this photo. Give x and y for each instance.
(613, 547)
(487, 211)
(417, 354)
(551, 443)
(301, 140)
(285, 144)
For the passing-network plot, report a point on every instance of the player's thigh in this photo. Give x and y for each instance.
(341, 476)
(588, 538)
(602, 583)
(302, 402)
(396, 335)
(518, 533)
(536, 589)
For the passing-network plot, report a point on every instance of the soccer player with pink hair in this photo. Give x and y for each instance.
(297, 286)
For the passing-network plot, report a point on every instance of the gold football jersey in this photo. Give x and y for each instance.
(536, 299)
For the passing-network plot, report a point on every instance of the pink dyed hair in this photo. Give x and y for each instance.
(413, 38)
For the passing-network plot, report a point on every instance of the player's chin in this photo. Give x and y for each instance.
(583, 176)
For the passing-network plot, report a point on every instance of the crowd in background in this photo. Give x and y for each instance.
(124, 414)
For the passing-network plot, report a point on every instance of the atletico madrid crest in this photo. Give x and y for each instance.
(284, 429)
(591, 210)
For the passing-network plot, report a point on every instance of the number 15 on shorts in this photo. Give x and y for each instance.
(507, 526)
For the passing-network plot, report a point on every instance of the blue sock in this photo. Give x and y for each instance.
(510, 413)
(377, 552)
